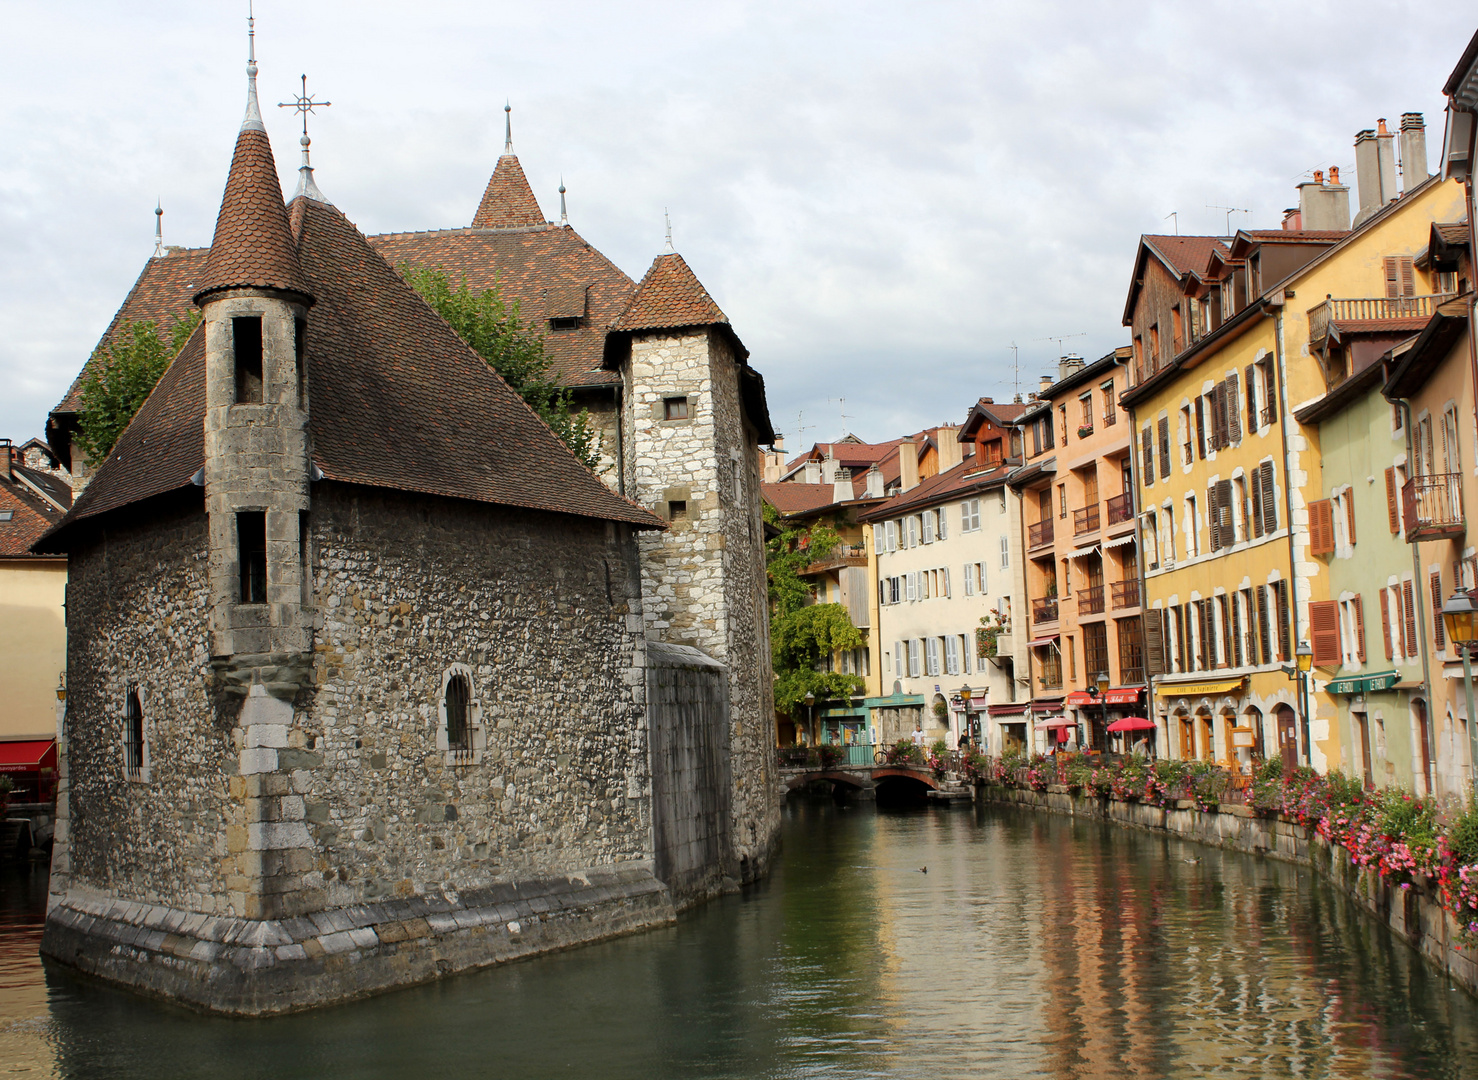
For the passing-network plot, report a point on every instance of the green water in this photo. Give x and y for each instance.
(1034, 946)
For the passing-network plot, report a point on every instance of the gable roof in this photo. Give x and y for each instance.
(24, 516)
(670, 295)
(398, 401)
(253, 245)
(508, 202)
(1180, 255)
(962, 479)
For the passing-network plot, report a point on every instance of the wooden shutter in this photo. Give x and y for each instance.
(1213, 518)
(1321, 527)
(1269, 389)
(1393, 507)
(1358, 607)
(1208, 635)
(1408, 599)
(1219, 409)
(1147, 455)
(1154, 642)
(1235, 630)
(1264, 625)
(1350, 515)
(1385, 622)
(1224, 500)
(1324, 629)
(1251, 376)
(1438, 630)
(1285, 622)
(1165, 446)
(1393, 276)
(1233, 410)
(1256, 489)
(1269, 498)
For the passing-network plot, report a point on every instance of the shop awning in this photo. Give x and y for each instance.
(1037, 643)
(27, 755)
(1363, 684)
(1009, 708)
(1114, 696)
(1078, 553)
(1197, 689)
(1119, 541)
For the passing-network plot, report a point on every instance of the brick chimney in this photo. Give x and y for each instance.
(1413, 150)
(908, 464)
(4, 459)
(1323, 207)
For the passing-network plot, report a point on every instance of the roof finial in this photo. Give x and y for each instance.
(564, 216)
(253, 119)
(507, 127)
(304, 103)
(668, 218)
(158, 230)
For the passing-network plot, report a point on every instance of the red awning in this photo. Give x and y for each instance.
(1132, 723)
(1008, 708)
(1122, 696)
(29, 756)
(1079, 698)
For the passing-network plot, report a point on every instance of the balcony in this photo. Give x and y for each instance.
(1040, 534)
(1044, 610)
(1125, 593)
(1432, 507)
(842, 555)
(1328, 317)
(1085, 520)
(1120, 509)
(1110, 418)
(1090, 600)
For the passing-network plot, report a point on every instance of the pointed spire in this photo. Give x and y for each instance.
(158, 230)
(508, 127)
(670, 295)
(508, 202)
(306, 184)
(253, 119)
(668, 218)
(564, 215)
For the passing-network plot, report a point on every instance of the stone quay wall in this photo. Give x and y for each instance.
(1414, 915)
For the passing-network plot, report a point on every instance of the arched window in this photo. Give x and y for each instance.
(459, 732)
(133, 735)
(458, 696)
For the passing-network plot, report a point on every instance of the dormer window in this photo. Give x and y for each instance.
(246, 345)
(564, 322)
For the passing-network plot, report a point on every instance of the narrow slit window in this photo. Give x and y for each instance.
(300, 344)
(133, 733)
(675, 408)
(305, 559)
(246, 343)
(251, 539)
(458, 730)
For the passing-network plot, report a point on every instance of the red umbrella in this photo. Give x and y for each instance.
(1132, 723)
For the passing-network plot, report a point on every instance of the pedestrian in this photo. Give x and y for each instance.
(964, 744)
(918, 736)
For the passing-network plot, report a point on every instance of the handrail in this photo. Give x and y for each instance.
(1120, 508)
(1370, 309)
(1039, 534)
(1125, 593)
(1090, 600)
(1086, 520)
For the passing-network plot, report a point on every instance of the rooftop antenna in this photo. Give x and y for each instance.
(564, 216)
(841, 403)
(158, 230)
(507, 128)
(1176, 215)
(668, 218)
(1230, 210)
(1060, 338)
(801, 429)
(1016, 367)
(304, 104)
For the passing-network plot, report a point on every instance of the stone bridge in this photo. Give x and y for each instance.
(863, 781)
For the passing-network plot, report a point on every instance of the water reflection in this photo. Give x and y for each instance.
(1031, 947)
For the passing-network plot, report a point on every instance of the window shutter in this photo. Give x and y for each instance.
(883, 593)
(877, 538)
(1438, 631)
(1393, 282)
(1255, 487)
(1147, 454)
(1285, 623)
(1264, 625)
(1165, 446)
(1321, 527)
(1233, 410)
(1324, 628)
(943, 528)
(898, 658)
(1234, 629)
(1183, 639)
(1393, 508)
(1213, 517)
(1224, 504)
(945, 572)
(969, 581)
(1220, 428)
(1385, 622)
(1408, 278)
(911, 586)
(928, 519)
(1269, 389)
(1251, 383)
(1359, 609)
(1408, 600)
(1350, 515)
(1154, 641)
(1269, 499)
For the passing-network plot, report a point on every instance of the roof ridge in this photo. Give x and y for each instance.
(669, 295)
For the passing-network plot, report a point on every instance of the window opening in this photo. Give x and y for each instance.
(458, 730)
(300, 341)
(133, 734)
(675, 408)
(246, 340)
(251, 540)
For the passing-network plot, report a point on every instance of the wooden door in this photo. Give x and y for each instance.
(1365, 750)
(1287, 723)
(1187, 739)
(1208, 744)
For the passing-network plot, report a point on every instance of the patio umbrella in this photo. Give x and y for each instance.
(1132, 723)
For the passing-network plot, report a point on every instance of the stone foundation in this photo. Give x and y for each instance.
(1415, 915)
(253, 967)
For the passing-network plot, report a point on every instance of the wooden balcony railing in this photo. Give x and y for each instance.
(1085, 520)
(1125, 593)
(1432, 507)
(1039, 534)
(1044, 609)
(1090, 600)
(1369, 309)
(1120, 508)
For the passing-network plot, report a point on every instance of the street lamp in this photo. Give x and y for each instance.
(965, 695)
(1460, 617)
(1102, 682)
(810, 700)
(1304, 658)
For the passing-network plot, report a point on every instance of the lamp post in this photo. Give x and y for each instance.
(1460, 617)
(1304, 657)
(810, 700)
(1102, 684)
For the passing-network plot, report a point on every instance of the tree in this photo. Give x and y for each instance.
(802, 633)
(121, 375)
(513, 349)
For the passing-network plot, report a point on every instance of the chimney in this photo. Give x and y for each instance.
(841, 486)
(1413, 150)
(951, 452)
(987, 401)
(828, 468)
(4, 459)
(908, 464)
(1292, 221)
(1375, 170)
(1068, 365)
(874, 482)
(813, 472)
(1323, 207)
(1046, 384)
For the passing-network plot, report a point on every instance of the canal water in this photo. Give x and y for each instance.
(929, 943)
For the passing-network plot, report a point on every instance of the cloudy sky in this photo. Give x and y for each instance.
(883, 197)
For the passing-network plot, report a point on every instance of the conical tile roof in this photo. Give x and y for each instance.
(508, 202)
(253, 245)
(670, 295)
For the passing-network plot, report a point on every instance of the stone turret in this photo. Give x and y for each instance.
(255, 300)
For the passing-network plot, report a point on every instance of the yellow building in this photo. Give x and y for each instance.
(1225, 474)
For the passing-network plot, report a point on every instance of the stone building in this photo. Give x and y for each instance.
(370, 678)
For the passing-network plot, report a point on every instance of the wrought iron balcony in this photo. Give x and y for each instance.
(1085, 520)
(1090, 600)
(1044, 609)
(1040, 534)
(1125, 593)
(1120, 508)
(1432, 507)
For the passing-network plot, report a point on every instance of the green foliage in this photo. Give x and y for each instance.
(905, 752)
(803, 634)
(513, 349)
(121, 376)
(1462, 836)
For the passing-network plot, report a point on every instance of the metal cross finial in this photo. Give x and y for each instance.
(668, 218)
(507, 127)
(303, 103)
(564, 215)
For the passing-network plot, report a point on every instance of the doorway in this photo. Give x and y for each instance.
(1364, 727)
(1419, 713)
(1287, 724)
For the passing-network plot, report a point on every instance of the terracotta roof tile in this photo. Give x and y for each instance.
(508, 202)
(1186, 254)
(964, 477)
(795, 497)
(253, 245)
(669, 296)
(23, 519)
(398, 401)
